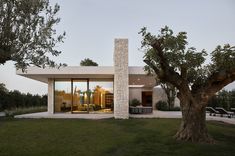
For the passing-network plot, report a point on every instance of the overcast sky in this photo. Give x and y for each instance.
(92, 25)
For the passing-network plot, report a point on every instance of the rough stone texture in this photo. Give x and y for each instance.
(121, 80)
(50, 98)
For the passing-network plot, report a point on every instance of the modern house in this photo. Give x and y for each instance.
(101, 89)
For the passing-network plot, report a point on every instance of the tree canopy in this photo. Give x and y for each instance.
(27, 32)
(167, 54)
(88, 62)
(169, 57)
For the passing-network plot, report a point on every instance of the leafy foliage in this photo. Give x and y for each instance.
(3, 88)
(162, 105)
(88, 62)
(170, 93)
(25, 110)
(175, 53)
(167, 54)
(168, 57)
(15, 99)
(135, 102)
(223, 57)
(27, 33)
(225, 99)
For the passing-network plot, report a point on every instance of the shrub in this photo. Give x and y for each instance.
(162, 105)
(18, 111)
(135, 103)
(225, 99)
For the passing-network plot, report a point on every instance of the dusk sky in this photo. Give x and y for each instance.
(92, 25)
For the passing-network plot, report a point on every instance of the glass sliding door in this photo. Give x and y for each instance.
(101, 95)
(80, 96)
(62, 96)
(83, 95)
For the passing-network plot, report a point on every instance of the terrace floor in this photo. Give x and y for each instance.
(65, 115)
(177, 114)
(155, 114)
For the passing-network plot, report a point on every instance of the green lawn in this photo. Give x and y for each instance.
(59, 137)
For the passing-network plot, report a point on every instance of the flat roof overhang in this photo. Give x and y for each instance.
(137, 75)
(43, 74)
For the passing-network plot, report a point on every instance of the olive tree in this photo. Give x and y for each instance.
(168, 56)
(27, 33)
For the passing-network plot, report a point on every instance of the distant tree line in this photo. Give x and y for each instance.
(88, 62)
(16, 99)
(225, 99)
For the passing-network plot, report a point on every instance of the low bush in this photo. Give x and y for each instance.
(18, 111)
(135, 102)
(162, 105)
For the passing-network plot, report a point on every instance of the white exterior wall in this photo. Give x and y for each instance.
(158, 95)
(121, 79)
(50, 100)
(177, 102)
(135, 93)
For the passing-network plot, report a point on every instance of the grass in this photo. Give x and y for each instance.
(18, 111)
(134, 137)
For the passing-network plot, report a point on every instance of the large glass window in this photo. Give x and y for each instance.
(63, 96)
(83, 95)
(80, 96)
(101, 95)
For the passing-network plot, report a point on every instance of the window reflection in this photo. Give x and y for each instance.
(74, 96)
(101, 96)
(63, 96)
(80, 99)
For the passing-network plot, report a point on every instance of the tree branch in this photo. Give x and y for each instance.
(215, 83)
(168, 74)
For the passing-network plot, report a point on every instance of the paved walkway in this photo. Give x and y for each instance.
(155, 114)
(177, 114)
(65, 116)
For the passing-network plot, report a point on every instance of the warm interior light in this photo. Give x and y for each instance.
(85, 98)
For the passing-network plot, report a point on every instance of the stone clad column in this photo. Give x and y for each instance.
(121, 79)
(50, 98)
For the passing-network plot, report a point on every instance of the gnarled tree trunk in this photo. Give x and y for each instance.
(193, 125)
(184, 70)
